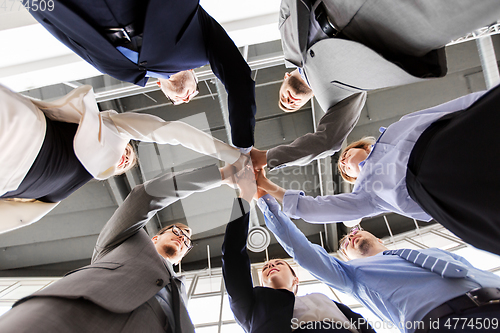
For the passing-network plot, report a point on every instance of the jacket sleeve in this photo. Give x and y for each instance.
(229, 66)
(310, 256)
(148, 198)
(236, 265)
(149, 128)
(332, 130)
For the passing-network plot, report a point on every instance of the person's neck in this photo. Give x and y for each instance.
(379, 248)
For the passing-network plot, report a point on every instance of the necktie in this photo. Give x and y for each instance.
(183, 323)
(439, 266)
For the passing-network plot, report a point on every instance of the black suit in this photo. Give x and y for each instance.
(259, 309)
(177, 35)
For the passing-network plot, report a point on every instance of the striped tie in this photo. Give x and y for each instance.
(439, 266)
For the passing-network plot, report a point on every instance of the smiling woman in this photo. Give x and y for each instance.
(274, 307)
(278, 274)
(50, 149)
(416, 169)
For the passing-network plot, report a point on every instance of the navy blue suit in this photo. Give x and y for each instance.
(177, 35)
(259, 309)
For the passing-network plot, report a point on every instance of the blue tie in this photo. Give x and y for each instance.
(439, 266)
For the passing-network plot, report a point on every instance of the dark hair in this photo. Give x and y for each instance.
(164, 229)
(291, 270)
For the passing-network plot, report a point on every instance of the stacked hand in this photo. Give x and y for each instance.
(259, 159)
(229, 172)
(241, 174)
(248, 174)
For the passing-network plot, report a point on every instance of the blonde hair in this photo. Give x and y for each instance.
(363, 143)
(21, 200)
(132, 160)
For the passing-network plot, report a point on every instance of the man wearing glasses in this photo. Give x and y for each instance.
(428, 290)
(133, 40)
(130, 285)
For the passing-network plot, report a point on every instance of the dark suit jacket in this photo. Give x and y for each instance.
(177, 36)
(257, 309)
(116, 291)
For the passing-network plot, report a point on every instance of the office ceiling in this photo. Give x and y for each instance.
(64, 239)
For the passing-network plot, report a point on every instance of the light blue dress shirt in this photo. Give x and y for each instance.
(134, 57)
(391, 287)
(381, 184)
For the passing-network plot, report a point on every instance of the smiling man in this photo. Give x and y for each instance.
(130, 285)
(420, 291)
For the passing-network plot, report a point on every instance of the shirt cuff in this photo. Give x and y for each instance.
(291, 201)
(245, 150)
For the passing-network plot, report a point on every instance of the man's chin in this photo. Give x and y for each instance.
(170, 251)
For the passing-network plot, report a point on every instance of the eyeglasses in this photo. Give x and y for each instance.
(190, 96)
(178, 232)
(344, 242)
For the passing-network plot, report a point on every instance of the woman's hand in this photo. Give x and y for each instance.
(268, 186)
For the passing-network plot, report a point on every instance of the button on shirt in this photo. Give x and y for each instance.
(391, 287)
(381, 185)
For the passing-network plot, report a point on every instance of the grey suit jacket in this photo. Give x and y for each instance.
(126, 271)
(389, 42)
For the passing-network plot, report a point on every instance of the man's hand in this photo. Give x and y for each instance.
(259, 158)
(268, 186)
(246, 182)
(229, 172)
(260, 191)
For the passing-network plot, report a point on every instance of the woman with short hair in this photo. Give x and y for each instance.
(417, 168)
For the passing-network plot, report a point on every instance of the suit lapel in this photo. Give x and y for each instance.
(303, 16)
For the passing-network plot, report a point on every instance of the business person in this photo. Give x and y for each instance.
(133, 40)
(416, 168)
(50, 149)
(274, 307)
(428, 290)
(130, 285)
(341, 49)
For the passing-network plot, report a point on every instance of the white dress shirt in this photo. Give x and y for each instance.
(318, 307)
